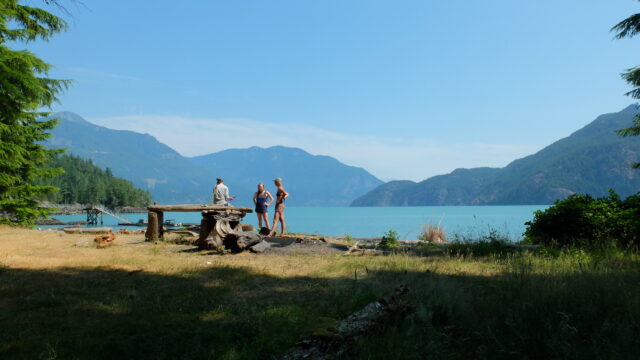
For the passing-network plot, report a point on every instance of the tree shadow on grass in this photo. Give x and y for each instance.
(77, 313)
(234, 313)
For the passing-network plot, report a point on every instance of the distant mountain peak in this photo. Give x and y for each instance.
(172, 178)
(71, 117)
(313, 180)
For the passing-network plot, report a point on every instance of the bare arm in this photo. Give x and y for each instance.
(226, 194)
(270, 197)
(255, 196)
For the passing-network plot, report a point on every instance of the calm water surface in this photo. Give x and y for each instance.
(374, 221)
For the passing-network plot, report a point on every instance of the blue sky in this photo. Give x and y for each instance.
(406, 89)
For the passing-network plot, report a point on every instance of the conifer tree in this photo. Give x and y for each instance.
(630, 27)
(25, 90)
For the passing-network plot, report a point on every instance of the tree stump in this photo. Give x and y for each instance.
(221, 230)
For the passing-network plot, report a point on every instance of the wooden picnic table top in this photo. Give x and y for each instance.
(197, 207)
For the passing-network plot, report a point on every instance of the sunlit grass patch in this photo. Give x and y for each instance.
(154, 301)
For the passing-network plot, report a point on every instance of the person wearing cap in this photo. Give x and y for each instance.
(281, 195)
(221, 193)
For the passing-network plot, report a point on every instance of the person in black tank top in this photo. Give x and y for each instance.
(281, 195)
(262, 199)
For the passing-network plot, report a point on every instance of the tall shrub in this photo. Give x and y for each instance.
(583, 220)
(24, 91)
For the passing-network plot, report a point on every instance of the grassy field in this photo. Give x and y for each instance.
(153, 301)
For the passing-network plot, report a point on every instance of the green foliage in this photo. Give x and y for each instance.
(630, 27)
(390, 241)
(23, 92)
(584, 220)
(84, 183)
(490, 244)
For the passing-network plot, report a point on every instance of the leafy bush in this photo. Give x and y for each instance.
(492, 243)
(390, 240)
(584, 220)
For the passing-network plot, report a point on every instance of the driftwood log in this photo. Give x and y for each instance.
(221, 230)
(336, 342)
(357, 250)
(79, 230)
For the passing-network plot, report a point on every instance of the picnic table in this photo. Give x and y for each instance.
(220, 226)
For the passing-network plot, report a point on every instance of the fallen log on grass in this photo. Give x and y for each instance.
(130, 232)
(357, 250)
(79, 230)
(335, 343)
(183, 232)
(238, 241)
(260, 247)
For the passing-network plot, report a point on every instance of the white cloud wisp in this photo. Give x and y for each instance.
(386, 157)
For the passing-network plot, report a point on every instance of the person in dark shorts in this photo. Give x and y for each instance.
(279, 215)
(262, 199)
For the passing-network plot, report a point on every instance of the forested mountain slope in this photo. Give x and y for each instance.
(591, 160)
(312, 180)
(85, 183)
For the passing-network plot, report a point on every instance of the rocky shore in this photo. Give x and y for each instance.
(73, 209)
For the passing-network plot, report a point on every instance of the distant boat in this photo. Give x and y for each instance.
(172, 224)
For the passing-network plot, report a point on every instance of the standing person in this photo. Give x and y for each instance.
(279, 215)
(260, 201)
(221, 193)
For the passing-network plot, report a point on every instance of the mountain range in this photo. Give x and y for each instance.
(591, 160)
(312, 180)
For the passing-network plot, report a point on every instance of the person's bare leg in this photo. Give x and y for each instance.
(276, 217)
(259, 220)
(266, 220)
(282, 223)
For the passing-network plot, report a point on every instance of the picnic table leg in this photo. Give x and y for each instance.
(152, 227)
(160, 224)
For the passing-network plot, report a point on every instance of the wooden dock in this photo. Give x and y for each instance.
(96, 211)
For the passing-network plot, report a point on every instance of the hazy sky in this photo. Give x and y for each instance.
(405, 89)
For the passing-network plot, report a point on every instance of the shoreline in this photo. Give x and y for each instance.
(75, 209)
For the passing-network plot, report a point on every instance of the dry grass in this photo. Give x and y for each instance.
(139, 300)
(433, 234)
(33, 249)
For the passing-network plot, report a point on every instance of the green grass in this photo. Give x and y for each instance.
(569, 305)
(551, 304)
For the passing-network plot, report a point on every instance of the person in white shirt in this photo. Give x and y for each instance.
(221, 193)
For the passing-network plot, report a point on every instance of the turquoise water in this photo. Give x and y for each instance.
(374, 221)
